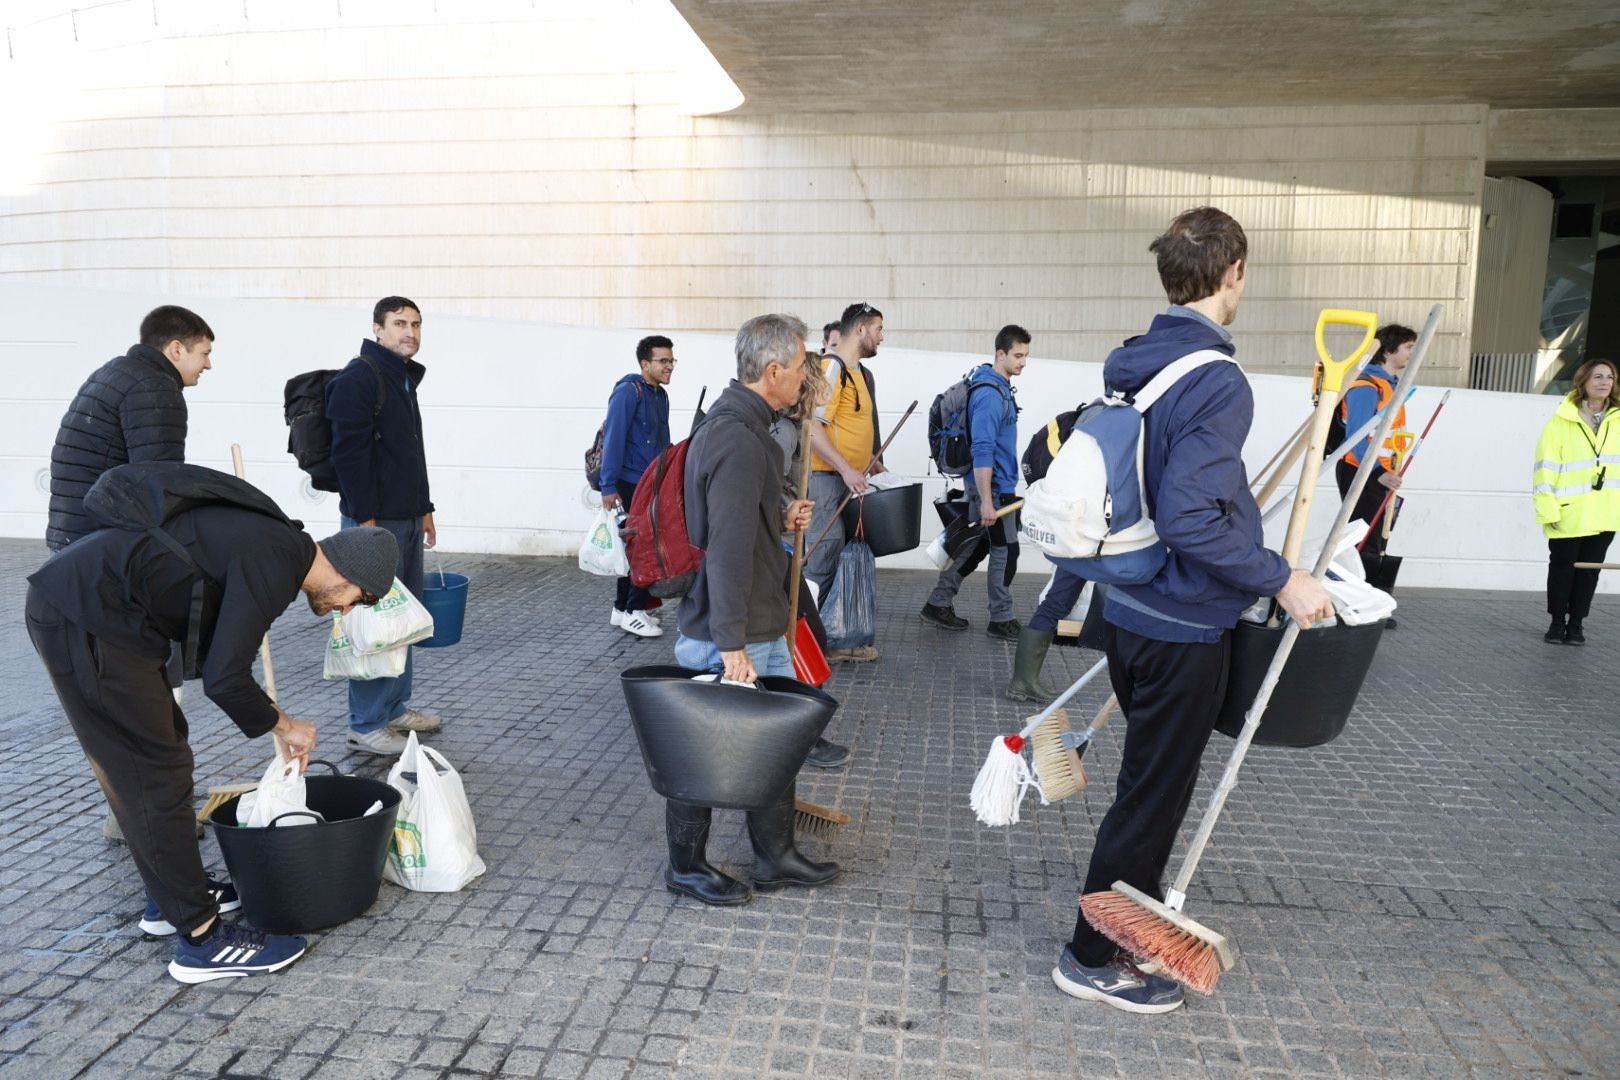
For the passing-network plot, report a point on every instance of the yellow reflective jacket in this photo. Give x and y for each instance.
(1577, 474)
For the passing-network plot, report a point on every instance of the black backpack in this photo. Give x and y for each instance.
(1045, 443)
(309, 432)
(146, 495)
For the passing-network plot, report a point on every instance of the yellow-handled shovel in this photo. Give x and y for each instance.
(1330, 373)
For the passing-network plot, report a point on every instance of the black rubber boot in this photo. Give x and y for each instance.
(689, 872)
(777, 862)
(1026, 676)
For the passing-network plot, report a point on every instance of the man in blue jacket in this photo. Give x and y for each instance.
(383, 481)
(635, 433)
(1169, 640)
(993, 427)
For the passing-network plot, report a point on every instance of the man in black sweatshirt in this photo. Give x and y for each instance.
(102, 614)
(734, 618)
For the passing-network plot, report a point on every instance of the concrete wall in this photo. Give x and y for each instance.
(509, 408)
(538, 162)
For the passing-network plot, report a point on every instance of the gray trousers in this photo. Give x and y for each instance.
(827, 490)
(1003, 562)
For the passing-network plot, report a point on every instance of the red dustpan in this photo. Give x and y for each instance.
(809, 663)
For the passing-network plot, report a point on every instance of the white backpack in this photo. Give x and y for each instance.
(1089, 512)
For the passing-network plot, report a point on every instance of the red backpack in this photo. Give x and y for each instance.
(663, 559)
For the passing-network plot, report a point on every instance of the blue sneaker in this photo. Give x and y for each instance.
(233, 951)
(154, 923)
(1119, 983)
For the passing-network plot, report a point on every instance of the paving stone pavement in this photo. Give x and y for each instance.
(1432, 895)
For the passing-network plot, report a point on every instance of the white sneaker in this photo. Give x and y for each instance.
(425, 723)
(384, 742)
(616, 618)
(637, 623)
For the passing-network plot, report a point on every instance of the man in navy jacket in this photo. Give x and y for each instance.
(635, 433)
(383, 481)
(1169, 640)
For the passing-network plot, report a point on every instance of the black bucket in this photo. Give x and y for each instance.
(951, 506)
(296, 879)
(1318, 687)
(892, 518)
(710, 744)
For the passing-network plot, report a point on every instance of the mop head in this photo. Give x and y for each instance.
(1003, 780)
(1057, 767)
(1186, 951)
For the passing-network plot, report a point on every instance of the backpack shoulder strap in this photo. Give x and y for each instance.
(1172, 373)
(382, 386)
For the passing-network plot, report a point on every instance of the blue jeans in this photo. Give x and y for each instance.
(374, 702)
(1060, 600)
(769, 657)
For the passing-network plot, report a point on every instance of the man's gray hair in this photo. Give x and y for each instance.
(765, 340)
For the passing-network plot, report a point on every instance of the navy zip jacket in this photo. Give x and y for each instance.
(381, 465)
(1197, 490)
(635, 433)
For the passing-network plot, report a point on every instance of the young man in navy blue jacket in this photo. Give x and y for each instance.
(382, 480)
(635, 433)
(1169, 640)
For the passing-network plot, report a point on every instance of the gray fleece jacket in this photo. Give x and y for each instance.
(734, 512)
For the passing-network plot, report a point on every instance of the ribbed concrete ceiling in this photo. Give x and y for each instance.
(955, 55)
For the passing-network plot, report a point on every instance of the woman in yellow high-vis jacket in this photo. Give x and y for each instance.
(1577, 494)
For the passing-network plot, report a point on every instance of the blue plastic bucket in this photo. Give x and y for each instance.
(445, 597)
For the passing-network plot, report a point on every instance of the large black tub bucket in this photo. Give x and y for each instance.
(294, 879)
(1318, 687)
(710, 744)
(892, 518)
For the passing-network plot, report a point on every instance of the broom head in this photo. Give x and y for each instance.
(1056, 767)
(220, 794)
(1185, 950)
(815, 819)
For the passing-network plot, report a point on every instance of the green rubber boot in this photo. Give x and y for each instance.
(1026, 684)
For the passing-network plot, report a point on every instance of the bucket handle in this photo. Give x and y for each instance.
(438, 565)
(319, 820)
(328, 764)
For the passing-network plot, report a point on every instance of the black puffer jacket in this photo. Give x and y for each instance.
(131, 409)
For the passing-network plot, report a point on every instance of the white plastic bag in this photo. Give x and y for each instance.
(280, 791)
(397, 619)
(602, 550)
(343, 662)
(435, 844)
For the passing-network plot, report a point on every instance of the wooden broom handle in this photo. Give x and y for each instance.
(798, 534)
(1597, 566)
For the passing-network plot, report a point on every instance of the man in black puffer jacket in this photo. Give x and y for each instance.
(130, 409)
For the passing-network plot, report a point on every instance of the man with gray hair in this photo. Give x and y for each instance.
(734, 617)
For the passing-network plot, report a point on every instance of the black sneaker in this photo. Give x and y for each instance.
(943, 617)
(233, 951)
(1573, 635)
(1555, 632)
(827, 755)
(1119, 983)
(154, 923)
(1006, 630)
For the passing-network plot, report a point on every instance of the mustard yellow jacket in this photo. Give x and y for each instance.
(1571, 499)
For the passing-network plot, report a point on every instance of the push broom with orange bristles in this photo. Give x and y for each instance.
(1156, 931)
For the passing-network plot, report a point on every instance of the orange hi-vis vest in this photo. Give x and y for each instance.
(1399, 438)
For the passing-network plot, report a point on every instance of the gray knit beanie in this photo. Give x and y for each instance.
(366, 555)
